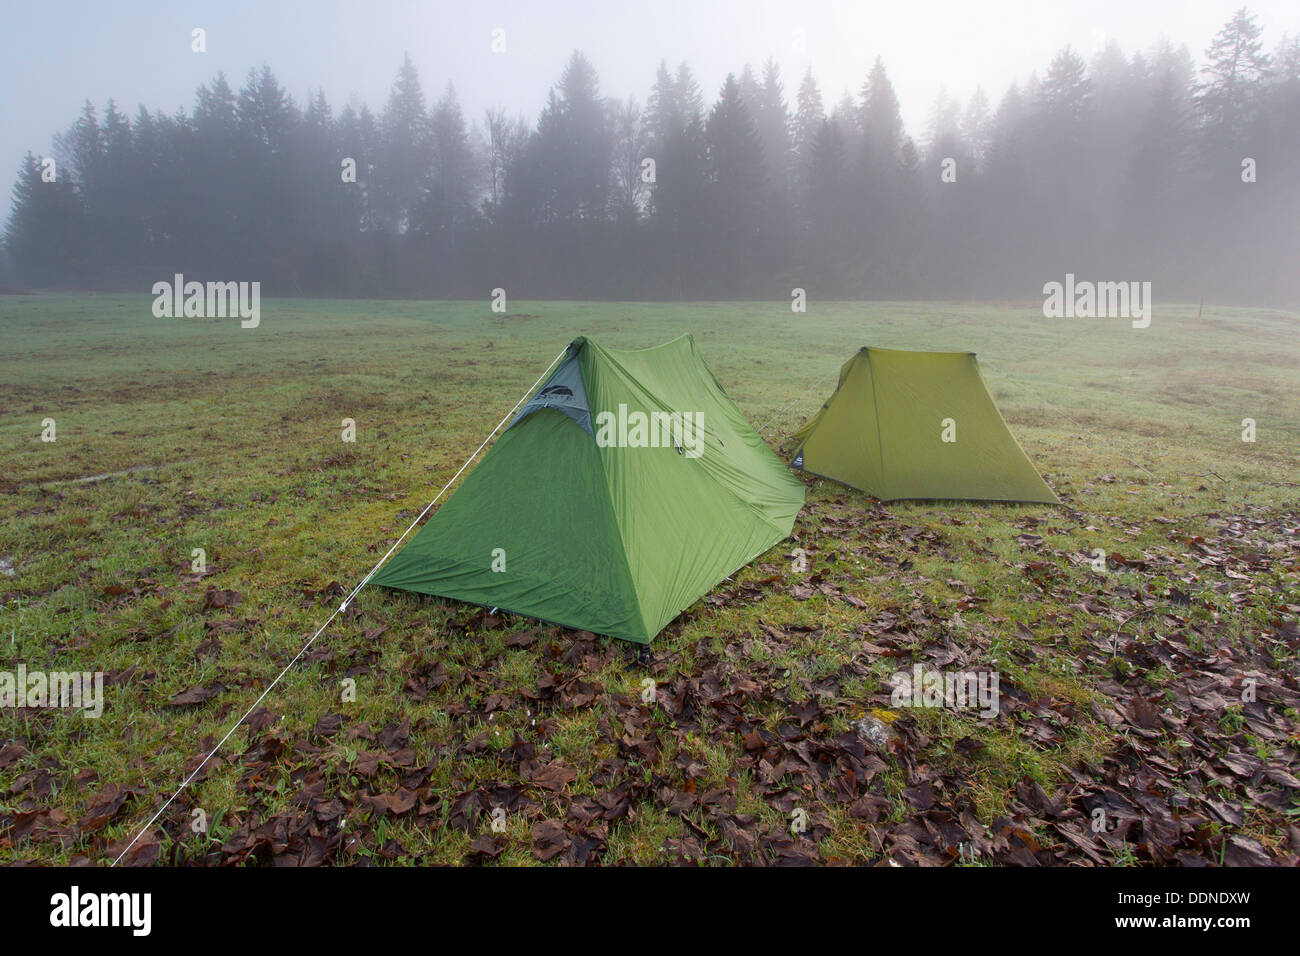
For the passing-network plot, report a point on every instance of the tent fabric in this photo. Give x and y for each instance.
(882, 431)
(563, 391)
(591, 532)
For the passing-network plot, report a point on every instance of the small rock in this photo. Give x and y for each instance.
(874, 731)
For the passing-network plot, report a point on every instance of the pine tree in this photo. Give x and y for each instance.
(263, 244)
(121, 227)
(772, 120)
(825, 237)
(943, 138)
(46, 229)
(401, 165)
(880, 119)
(571, 152)
(1233, 77)
(453, 174)
(690, 99)
(975, 128)
(735, 189)
(663, 114)
(809, 115)
(219, 150)
(1066, 93)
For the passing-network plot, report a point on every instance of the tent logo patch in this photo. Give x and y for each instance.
(635, 429)
(1098, 300)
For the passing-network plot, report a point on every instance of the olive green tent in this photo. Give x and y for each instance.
(624, 490)
(917, 425)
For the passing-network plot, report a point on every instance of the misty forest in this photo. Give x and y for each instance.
(1155, 165)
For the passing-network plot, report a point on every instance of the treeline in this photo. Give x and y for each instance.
(1143, 167)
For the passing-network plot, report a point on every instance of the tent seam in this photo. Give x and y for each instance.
(618, 524)
(875, 403)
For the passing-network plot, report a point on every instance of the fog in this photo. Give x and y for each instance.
(966, 149)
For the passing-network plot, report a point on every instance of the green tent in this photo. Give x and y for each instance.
(917, 425)
(624, 490)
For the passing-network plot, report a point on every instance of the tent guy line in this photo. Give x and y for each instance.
(801, 398)
(338, 610)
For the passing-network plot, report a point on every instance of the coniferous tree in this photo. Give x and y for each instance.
(736, 184)
(1232, 84)
(809, 114)
(975, 128)
(401, 166)
(45, 232)
(1124, 166)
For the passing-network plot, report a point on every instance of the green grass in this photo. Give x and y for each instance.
(229, 440)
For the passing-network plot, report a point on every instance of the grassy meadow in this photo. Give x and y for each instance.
(1149, 709)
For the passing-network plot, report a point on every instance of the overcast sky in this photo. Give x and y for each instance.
(55, 56)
